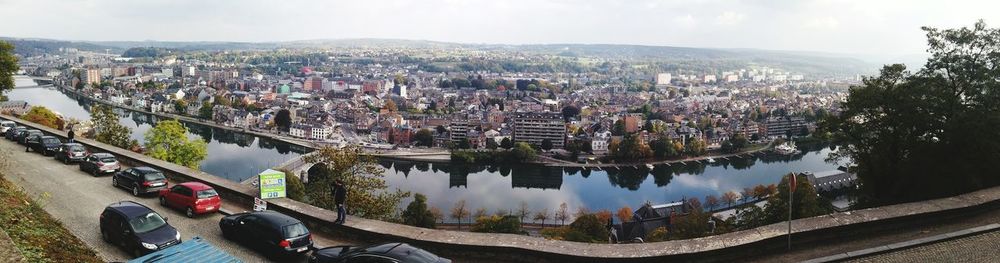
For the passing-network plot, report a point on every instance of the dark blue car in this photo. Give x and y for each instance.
(136, 228)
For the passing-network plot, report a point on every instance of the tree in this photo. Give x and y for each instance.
(523, 152)
(481, 212)
(563, 213)
(391, 106)
(904, 130)
(591, 226)
(295, 189)
(458, 211)
(570, 111)
(283, 119)
(108, 129)
(8, 66)
(746, 194)
(497, 224)
(805, 204)
(362, 176)
(546, 144)
(760, 191)
(506, 143)
(619, 128)
(168, 141)
(730, 197)
(491, 144)
(205, 112)
(43, 116)
(695, 147)
(438, 215)
(542, 215)
(624, 214)
(417, 214)
(463, 144)
(523, 211)
(424, 137)
(180, 106)
(631, 148)
(711, 202)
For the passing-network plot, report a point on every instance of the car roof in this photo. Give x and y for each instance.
(196, 186)
(102, 155)
(145, 170)
(130, 208)
(71, 144)
(47, 136)
(399, 251)
(275, 218)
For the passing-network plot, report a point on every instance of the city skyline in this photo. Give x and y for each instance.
(892, 28)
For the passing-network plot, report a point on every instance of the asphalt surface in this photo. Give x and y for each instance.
(978, 248)
(77, 199)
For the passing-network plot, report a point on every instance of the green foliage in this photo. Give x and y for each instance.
(805, 204)
(8, 66)
(497, 224)
(180, 107)
(591, 226)
(367, 194)
(927, 134)
(695, 147)
(146, 52)
(694, 224)
(619, 128)
(657, 235)
(546, 144)
(168, 141)
(36, 234)
(522, 154)
(417, 214)
(506, 143)
(108, 130)
(205, 112)
(424, 137)
(735, 144)
(294, 187)
(630, 148)
(43, 116)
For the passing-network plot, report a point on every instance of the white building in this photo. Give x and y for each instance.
(297, 131)
(663, 79)
(320, 132)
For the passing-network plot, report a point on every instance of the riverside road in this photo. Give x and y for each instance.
(76, 199)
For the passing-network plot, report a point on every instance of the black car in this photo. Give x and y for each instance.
(100, 163)
(269, 231)
(71, 152)
(388, 252)
(22, 137)
(46, 145)
(136, 228)
(141, 180)
(10, 134)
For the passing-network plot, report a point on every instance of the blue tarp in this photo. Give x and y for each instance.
(192, 250)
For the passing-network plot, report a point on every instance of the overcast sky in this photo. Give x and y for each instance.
(840, 26)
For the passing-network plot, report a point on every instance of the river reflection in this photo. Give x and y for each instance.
(237, 156)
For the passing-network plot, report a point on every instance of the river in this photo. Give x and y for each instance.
(238, 156)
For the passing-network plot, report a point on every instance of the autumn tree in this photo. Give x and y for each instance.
(458, 211)
(168, 141)
(368, 195)
(8, 66)
(523, 211)
(562, 214)
(424, 137)
(624, 214)
(760, 191)
(805, 204)
(43, 116)
(542, 215)
(711, 202)
(730, 197)
(481, 212)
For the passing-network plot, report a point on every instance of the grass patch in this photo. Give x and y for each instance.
(40, 237)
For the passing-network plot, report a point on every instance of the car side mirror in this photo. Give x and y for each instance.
(166, 219)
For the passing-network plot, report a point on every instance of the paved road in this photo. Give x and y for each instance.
(76, 199)
(979, 248)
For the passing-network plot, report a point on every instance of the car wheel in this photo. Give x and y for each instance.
(136, 252)
(94, 172)
(105, 236)
(114, 181)
(163, 201)
(66, 161)
(189, 212)
(135, 190)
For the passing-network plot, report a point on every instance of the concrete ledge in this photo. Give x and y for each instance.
(907, 244)
(517, 248)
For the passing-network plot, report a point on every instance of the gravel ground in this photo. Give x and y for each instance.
(979, 248)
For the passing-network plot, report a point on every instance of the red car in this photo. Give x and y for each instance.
(195, 198)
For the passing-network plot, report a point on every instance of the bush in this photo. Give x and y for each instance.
(658, 234)
(417, 214)
(591, 226)
(296, 189)
(497, 224)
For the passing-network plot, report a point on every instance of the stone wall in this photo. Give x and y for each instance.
(509, 247)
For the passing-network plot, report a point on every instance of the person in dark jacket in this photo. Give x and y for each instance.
(339, 197)
(70, 135)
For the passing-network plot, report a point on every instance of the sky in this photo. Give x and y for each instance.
(878, 27)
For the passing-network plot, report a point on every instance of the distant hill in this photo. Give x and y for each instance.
(692, 58)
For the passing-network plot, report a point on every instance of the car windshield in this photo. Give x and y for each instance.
(146, 223)
(50, 140)
(295, 230)
(76, 148)
(108, 159)
(207, 193)
(153, 176)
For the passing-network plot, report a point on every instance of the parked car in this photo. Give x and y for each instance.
(46, 145)
(136, 228)
(7, 125)
(71, 153)
(14, 131)
(194, 197)
(388, 252)
(100, 163)
(269, 231)
(141, 180)
(22, 137)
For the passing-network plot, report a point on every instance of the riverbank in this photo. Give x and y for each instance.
(553, 162)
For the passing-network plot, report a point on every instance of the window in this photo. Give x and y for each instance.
(147, 222)
(153, 176)
(208, 193)
(181, 190)
(295, 230)
(371, 259)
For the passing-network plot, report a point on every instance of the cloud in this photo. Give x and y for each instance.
(729, 18)
(822, 23)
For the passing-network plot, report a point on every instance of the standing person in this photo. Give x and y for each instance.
(70, 135)
(339, 197)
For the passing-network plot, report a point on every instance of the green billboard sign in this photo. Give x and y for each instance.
(272, 184)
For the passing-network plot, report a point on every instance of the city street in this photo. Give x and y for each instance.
(77, 199)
